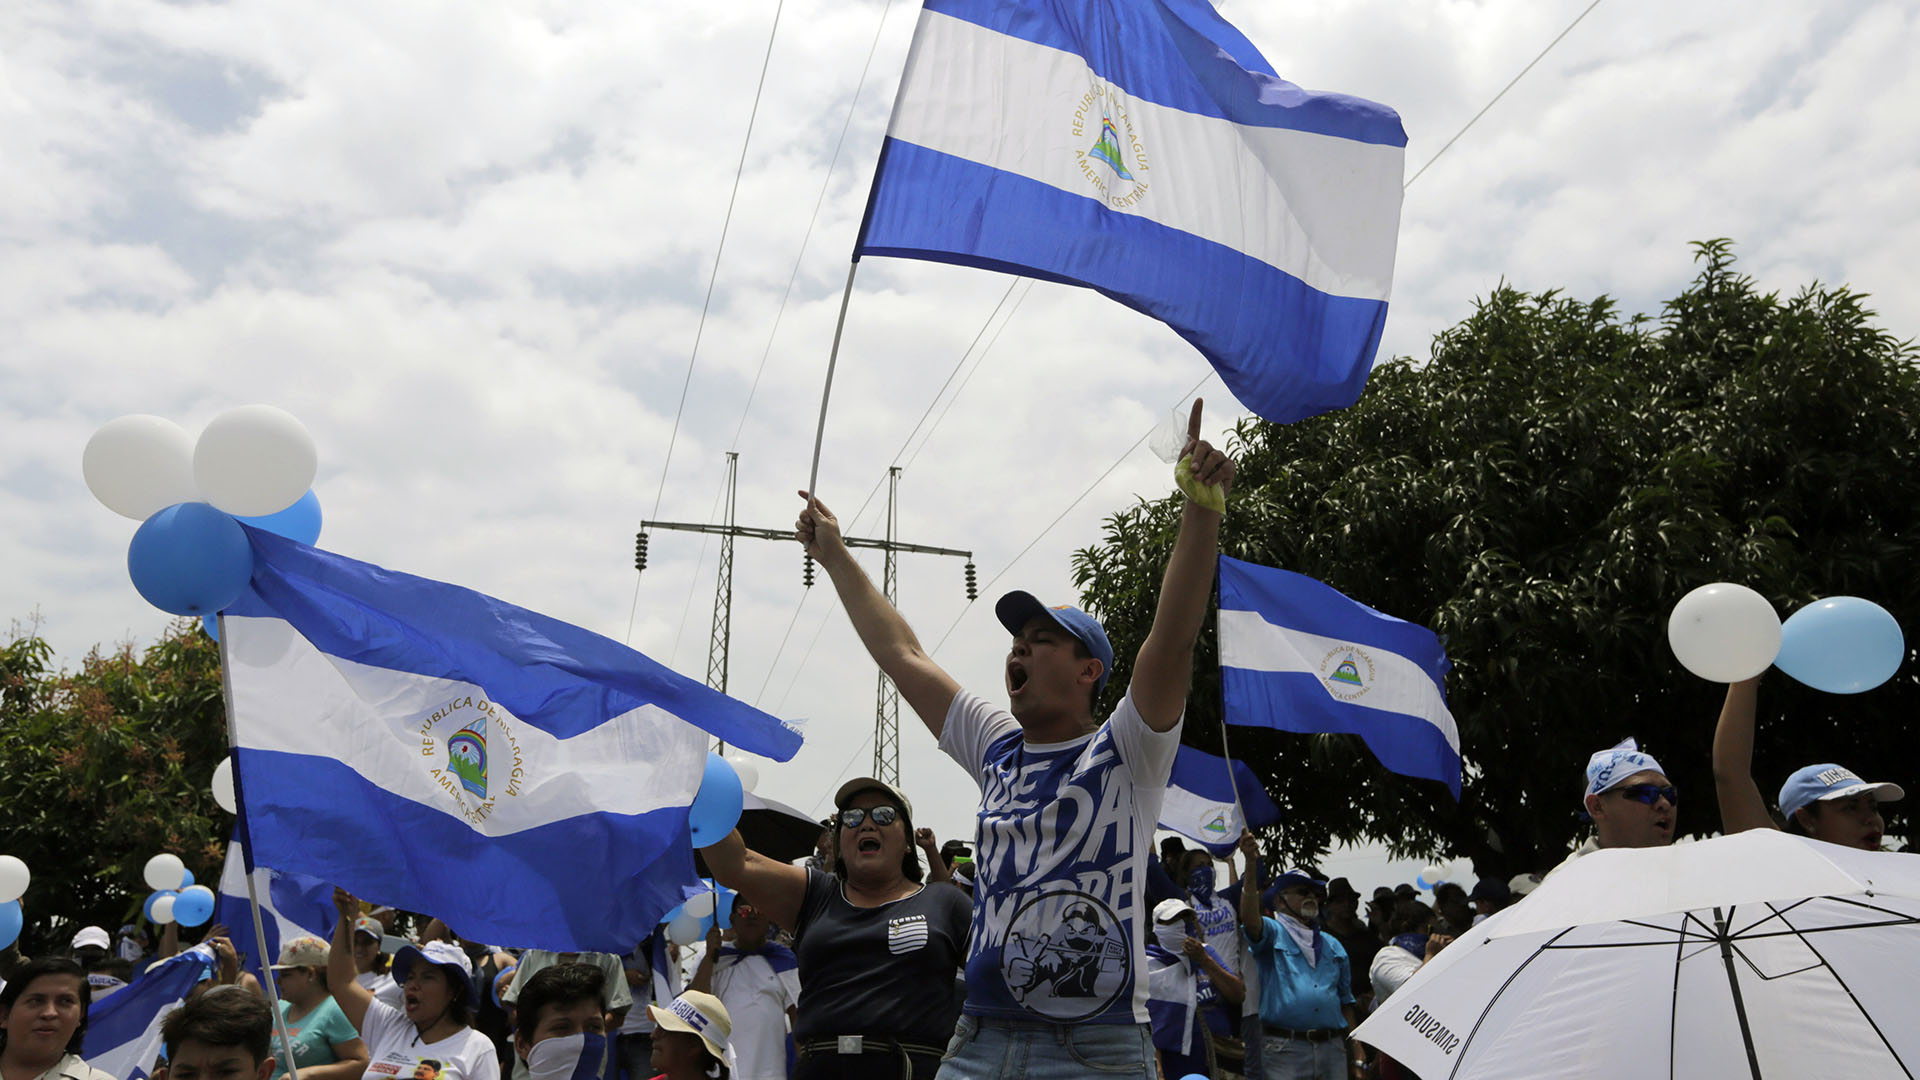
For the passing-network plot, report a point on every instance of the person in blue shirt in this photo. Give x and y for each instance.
(1306, 989)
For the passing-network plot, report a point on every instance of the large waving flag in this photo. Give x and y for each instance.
(123, 1032)
(1205, 803)
(291, 905)
(1145, 149)
(425, 746)
(1297, 655)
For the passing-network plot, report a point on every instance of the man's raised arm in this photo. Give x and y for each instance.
(1163, 668)
(929, 690)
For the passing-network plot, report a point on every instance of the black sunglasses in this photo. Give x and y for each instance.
(1650, 793)
(882, 815)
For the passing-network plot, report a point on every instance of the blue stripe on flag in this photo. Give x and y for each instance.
(551, 674)
(123, 1036)
(1287, 351)
(1175, 54)
(514, 889)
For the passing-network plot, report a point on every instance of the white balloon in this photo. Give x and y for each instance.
(683, 930)
(13, 878)
(1433, 875)
(163, 909)
(223, 795)
(1724, 632)
(700, 906)
(254, 460)
(749, 772)
(138, 465)
(165, 872)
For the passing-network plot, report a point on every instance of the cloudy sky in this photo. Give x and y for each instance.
(468, 244)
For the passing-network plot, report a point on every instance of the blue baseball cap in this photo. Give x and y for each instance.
(1016, 608)
(1818, 783)
(1298, 875)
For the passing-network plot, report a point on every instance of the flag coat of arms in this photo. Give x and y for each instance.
(1145, 149)
(429, 747)
(1297, 655)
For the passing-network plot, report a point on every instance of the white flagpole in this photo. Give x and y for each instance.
(833, 355)
(246, 864)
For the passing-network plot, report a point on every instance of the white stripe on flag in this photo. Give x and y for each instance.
(1189, 814)
(299, 700)
(1309, 204)
(1251, 643)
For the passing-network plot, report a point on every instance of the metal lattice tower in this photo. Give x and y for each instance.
(886, 739)
(886, 704)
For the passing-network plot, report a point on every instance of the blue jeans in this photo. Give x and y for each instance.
(1298, 1059)
(988, 1048)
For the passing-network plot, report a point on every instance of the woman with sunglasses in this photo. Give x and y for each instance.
(1825, 802)
(879, 952)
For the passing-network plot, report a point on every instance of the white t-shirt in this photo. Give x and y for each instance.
(383, 988)
(757, 988)
(395, 1051)
(1066, 829)
(1392, 966)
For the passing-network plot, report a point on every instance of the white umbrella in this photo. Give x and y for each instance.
(1754, 955)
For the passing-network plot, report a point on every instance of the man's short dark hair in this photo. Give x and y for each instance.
(49, 965)
(562, 985)
(229, 1019)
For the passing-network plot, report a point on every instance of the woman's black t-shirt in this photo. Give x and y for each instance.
(882, 971)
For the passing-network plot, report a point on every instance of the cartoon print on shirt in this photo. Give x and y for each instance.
(1065, 956)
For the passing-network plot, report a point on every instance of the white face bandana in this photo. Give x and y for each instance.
(1171, 936)
(571, 1057)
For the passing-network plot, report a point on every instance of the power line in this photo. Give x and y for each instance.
(1503, 93)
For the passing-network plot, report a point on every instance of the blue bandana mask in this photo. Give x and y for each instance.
(1413, 943)
(1200, 883)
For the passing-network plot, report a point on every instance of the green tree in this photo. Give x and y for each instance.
(1540, 493)
(103, 767)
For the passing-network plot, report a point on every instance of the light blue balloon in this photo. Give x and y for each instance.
(186, 879)
(146, 909)
(1843, 645)
(716, 808)
(190, 559)
(299, 522)
(211, 624)
(194, 905)
(11, 920)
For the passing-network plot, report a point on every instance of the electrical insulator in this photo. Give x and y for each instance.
(806, 570)
(973, 588)
(640, 551)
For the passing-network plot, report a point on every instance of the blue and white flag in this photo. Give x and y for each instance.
(428, 747)
(1201, 803)
(123, 1032)
(1145, 149)
(291, 905)
(1297, 655)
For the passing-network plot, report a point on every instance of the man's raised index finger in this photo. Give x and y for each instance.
(1193, 420)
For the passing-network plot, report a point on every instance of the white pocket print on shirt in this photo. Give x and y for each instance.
(906, 934)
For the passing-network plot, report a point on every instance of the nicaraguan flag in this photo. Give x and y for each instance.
(123, 1032)
(1297, 655)
(1200, 802)
(291, 905)
(425, 746)
(1145, 149)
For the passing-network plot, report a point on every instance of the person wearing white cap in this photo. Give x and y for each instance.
(1629, 799)
(431, 1036)
(1185, 978)
(1056, 965)
(325, 1044)
(1825, 802)
(690, 1037)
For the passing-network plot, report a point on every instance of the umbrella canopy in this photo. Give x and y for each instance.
(1754, 955)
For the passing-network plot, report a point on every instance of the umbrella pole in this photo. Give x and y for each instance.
(1733, 983)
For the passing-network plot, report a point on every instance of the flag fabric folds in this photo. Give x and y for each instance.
(1201, 804)
(1297, 655)
(123, 1031)
(291, 905)
(1145, 149)
(425, 746)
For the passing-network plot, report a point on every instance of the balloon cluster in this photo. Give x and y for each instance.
(254, 464)
(1436, 873)
(14, 878)
(716, 806)
(175, 898)
(1729, 633)
(690, 921)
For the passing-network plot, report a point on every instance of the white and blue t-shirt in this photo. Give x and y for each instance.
(1066, 829)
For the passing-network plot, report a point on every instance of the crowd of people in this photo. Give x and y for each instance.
(1061, 945)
